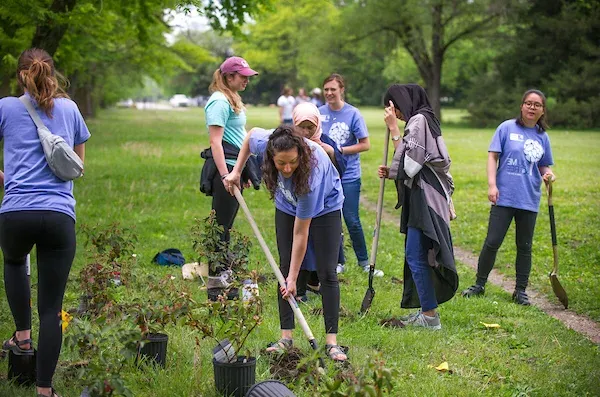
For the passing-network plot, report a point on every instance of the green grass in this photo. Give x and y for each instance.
(142, 170)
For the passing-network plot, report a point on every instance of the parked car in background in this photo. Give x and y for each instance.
(180, 100)
(126, 103)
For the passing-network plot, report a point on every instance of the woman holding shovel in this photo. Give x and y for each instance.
(308, 199)
(420, 167)
(519, 157)
(306, 117)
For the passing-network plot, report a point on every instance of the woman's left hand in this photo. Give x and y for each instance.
(231, 180)
(549, 176)
(290, 289)
(390, 115)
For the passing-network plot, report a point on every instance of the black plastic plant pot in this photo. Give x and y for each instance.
(21, 369)
(155, 348)
(270, 388)
(235, 379)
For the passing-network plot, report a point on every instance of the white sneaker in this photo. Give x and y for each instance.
(339, 268)
(376, 272)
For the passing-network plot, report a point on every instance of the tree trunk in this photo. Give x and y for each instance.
(49, 32)
(437, 55)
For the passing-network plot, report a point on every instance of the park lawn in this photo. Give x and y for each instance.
(142, 170)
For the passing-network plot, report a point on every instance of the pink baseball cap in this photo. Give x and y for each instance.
(237, 64)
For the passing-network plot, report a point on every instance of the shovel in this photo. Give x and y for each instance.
(370, 294)
(291, 300)
(559, 291)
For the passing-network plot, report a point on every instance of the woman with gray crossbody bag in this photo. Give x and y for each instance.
(38, 207)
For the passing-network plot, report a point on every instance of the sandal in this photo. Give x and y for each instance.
(281, 346)
(473, 290)
(520, 297)
(52, 394)
(15, 346)
(334, 351)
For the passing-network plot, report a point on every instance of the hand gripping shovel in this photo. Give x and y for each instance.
(559, 291)
(291, 300)
(370, 294)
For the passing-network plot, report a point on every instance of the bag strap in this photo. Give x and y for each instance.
(36, 119)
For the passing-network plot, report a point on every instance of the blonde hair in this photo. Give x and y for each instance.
(36, 75)
(219, 83)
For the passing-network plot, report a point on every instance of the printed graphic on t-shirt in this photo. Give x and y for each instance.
(287, 194)
(533, 152)
(339, 132)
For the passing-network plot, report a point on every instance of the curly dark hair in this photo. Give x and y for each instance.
(286, 138)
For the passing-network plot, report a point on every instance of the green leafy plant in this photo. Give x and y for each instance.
(112, 258)
(207, 243)
(105, 348)
(374, 380)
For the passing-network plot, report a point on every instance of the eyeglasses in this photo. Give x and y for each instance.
(535, 105)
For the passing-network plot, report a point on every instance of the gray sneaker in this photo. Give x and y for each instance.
(376, 272)
(421, 320)
(410, 318)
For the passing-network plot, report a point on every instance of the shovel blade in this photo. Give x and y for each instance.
(559, 291)
(367, 300)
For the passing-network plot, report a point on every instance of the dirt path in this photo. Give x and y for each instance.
(580, 323)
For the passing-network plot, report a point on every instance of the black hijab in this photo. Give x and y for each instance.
(411, 99)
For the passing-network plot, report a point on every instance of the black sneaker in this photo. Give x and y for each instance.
(520, 297)
(473, 290)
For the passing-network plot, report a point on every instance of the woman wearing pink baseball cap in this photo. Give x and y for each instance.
(226, 123)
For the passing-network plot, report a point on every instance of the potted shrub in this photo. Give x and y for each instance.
(164, 303)
(207, 244)
(111, 261)
(229, 319)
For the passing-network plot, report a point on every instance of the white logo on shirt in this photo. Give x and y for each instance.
(288, 195)
(339, 132)
(516, 137)
(324, 118)
(533, 152)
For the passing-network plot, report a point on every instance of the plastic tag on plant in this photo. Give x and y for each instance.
(249, 290)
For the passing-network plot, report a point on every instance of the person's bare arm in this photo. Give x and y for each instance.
(492, 168)
(362, 146)
(79, 150)
(215, 133)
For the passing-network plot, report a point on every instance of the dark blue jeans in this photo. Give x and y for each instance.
(352, 219)
(417, 246)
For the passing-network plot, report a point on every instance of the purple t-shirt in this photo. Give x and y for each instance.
(521, 151)
(325, 194)
(345, 126)
(29, 183)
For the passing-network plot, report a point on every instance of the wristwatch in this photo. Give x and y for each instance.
(395, 137)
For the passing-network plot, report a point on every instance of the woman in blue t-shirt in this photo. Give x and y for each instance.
(308, 197)
(519, 158)
(226, 123)
(38, 209)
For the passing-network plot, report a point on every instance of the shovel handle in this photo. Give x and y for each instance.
(552, 225)
(291, 300)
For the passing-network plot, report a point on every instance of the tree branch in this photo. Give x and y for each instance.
(471, 29)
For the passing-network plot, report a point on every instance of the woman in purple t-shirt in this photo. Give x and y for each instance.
(38, 209)
(519, 157)
(308, 197)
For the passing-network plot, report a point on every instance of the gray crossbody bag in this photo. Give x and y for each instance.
(61, 158)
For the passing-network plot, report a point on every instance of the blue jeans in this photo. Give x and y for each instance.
(352, 219)
(417, 245)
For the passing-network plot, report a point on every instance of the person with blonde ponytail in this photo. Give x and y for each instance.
(226, 123)
(38, 209)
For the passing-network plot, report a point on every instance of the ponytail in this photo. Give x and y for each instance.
(36, 75)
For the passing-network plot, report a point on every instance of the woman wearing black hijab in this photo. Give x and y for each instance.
(420, 169)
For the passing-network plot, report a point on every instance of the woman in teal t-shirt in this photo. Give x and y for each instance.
(226, 123)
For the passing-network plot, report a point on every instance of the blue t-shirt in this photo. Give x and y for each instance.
(220, 113)
(345, 126)
(325, 194)
(29, 183)
(521, 151)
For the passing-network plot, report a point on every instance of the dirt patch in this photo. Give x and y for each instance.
(577, 322)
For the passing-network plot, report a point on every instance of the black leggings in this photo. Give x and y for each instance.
(226, 208)
(500, 220)
(53, 234)
(325, 232)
